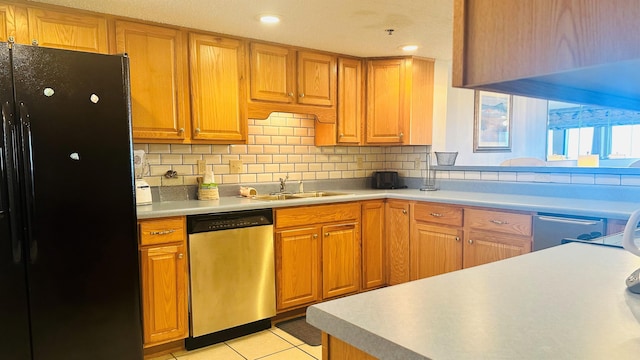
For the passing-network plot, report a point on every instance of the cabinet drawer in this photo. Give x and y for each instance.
(318, 214)
(509, 223)
(436, 213)
(159, 231)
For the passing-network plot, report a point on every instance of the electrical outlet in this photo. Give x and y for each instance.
(235, 166)
(416, 163)
(359, 162)
(202, 166)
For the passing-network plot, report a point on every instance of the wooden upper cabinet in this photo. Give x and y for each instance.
(272, 73)
(576, 51)
(218, 104)
(316, 79)
(67, 30)
(399, 101)
(7, 22)
(158, 80)
(350, 101)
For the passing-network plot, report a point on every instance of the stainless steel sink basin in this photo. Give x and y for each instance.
(309, 194)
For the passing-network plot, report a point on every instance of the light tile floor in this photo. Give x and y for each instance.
(272, 344)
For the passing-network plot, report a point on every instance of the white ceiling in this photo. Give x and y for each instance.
(353, 27)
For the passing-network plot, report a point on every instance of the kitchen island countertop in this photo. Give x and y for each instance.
(567, 206)
(565, 302)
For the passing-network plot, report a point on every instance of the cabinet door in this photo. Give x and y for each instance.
(397, 234)
(350, 111)
(385, 101)
(340, 259)
(317, 75)
(157, 75)
(272, 73)
(71, 31)
(434, 250)
(218, 99)
(297, 267)
(373, 245)
(7, 22)
(485, 247)
(164, 293)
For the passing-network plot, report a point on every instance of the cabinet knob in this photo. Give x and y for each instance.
(180, 131)
(197, 130)
(457, 238)
(180, 256)
(401, 135)
(302, 95)
(315, 236)
(290, 94)
(34, 42)
(470, 241)
(326, 234)
(404, 211)
(341, 135)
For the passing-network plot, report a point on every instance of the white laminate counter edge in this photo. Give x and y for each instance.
(567, 206)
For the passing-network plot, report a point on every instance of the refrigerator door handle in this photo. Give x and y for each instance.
(27, 163)
(9, 142)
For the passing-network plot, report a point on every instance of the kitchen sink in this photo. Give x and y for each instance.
(291, 196)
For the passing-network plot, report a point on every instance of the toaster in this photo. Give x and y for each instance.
(385, 180)
(143, 192)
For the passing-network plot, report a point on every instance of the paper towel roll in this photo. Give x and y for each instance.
(208, 178)
(248, 191)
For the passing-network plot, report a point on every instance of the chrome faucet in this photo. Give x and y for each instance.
(283, 183)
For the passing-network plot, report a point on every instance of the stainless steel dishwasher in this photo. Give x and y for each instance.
(231, 275)
(550, 229)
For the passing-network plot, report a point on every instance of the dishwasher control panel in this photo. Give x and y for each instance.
(229, 220)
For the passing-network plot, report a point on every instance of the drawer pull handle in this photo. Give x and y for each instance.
(436, 214)
(162, 232)
(499, 222)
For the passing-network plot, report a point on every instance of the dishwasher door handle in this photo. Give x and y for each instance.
(568, 221)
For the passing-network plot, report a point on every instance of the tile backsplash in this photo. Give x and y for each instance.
(278, 146)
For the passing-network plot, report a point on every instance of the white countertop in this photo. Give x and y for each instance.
(568, 206)
(565, 302)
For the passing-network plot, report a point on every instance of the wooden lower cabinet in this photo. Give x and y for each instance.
(434, 250)
(397, 237)
(374, 270)
(317, 253)
(484, 247)
(164, 280)
(336, 349)
(297, 267)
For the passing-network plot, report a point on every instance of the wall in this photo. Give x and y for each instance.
(278, 146)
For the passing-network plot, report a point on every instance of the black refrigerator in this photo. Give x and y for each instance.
(69, 276)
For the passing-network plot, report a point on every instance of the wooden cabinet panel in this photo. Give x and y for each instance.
(336, 349)
(272, 73)
(434, 250)
(217, 89)
(7, 22)
(399, 101)
(298, 267)
(304, 215)
(485, 247)
(350, 101)
(157, 60)
(164, 295)
(340, 259)
(385, 101)
(316, 78)
(162, 231)
(503, 222)
(373, 244)
(397, 237)
(71, 31)
(437, 213)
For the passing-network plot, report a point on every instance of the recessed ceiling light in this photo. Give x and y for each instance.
(269, 19)
(409, 48)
